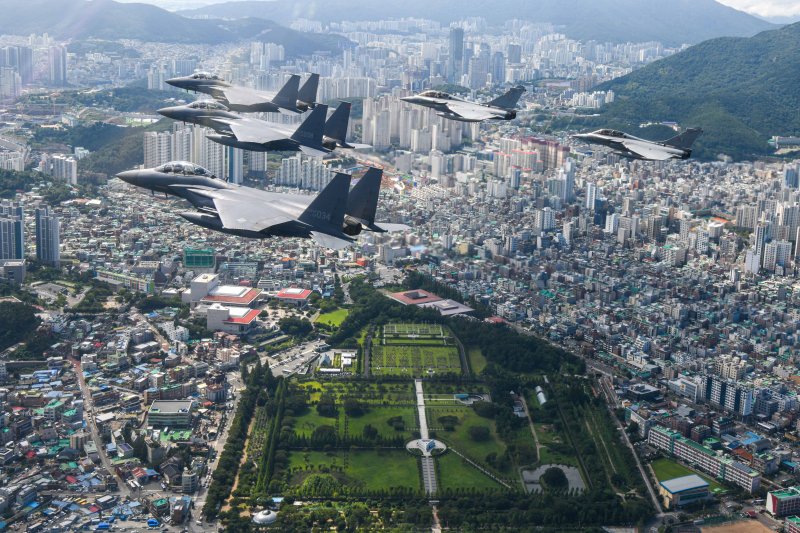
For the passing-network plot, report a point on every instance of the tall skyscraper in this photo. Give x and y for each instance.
(591, 195)
(235, 165)
(58, 66)
(157, 148)
(498, 69)
(47, 237)
(65, 168)
(10, 84)
(12, 231)
(455, 61)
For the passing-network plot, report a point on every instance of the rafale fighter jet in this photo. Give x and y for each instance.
(454, 108)
(256, 213)
(678, 147)
(254, 134)
(291, 98)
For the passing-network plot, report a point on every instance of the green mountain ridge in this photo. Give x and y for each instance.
(741, 91)
(673, 22)
(107, 19)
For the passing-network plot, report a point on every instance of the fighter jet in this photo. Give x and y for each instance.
(335, 133)
(454, 108)
(291, 98)
(678, 147)
(254, 134)
(199, 187)
(241, 211)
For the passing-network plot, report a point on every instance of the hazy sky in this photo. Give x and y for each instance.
(764, 8)
(767, 8)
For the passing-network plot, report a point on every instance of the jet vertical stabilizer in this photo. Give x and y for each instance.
(287, 96)
(508, 100)
(310, 133)
(685, 140)
(325, 214)
(307, 97)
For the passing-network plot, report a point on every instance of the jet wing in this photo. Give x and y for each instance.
(252, 130)
(329, 241)
(242, 213)
(244, 96)
(469, 111)
(646, 151)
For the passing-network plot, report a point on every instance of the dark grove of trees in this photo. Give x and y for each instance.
(18, 322)
(261, 385)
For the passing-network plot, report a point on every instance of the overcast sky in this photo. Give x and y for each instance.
(763, 8)
(767, 8)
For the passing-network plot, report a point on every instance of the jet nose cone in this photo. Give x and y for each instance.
(176, 82)
(407, 98)
(170, 112)
(130, 176)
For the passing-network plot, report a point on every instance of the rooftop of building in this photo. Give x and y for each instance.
(684, 483)
(171, 406)
(414, 297)
(294, 293)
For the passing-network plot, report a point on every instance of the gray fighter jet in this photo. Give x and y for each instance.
(454, 108)
(254, 134)
(678, 147)
(291, 98)
(242, 210)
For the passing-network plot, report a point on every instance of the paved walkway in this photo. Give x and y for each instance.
(428, 467)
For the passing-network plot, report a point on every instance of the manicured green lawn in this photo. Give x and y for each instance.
(334, 318)
(377, 417)
(367, 469)
(668, 469)
(460, 438)
(455, 473)
(476, 360)
(306, 423)
(384, 469)
(316, 459)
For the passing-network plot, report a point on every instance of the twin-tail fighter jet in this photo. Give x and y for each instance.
(332, 218)
(291, 98)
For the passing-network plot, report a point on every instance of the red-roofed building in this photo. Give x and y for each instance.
(414, 297)
(294, 295)
(237, 320)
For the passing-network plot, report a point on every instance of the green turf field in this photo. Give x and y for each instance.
(668, 469)
(334, 318)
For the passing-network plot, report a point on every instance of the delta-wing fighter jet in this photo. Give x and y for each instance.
(454, 108)
(241, 211)
(254, 134)
(199, 187)
(291, 98)
(626, 145)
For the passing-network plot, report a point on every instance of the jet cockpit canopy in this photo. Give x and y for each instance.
(435, 94)
(205, 76)
(208, 104)
(184, 168)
